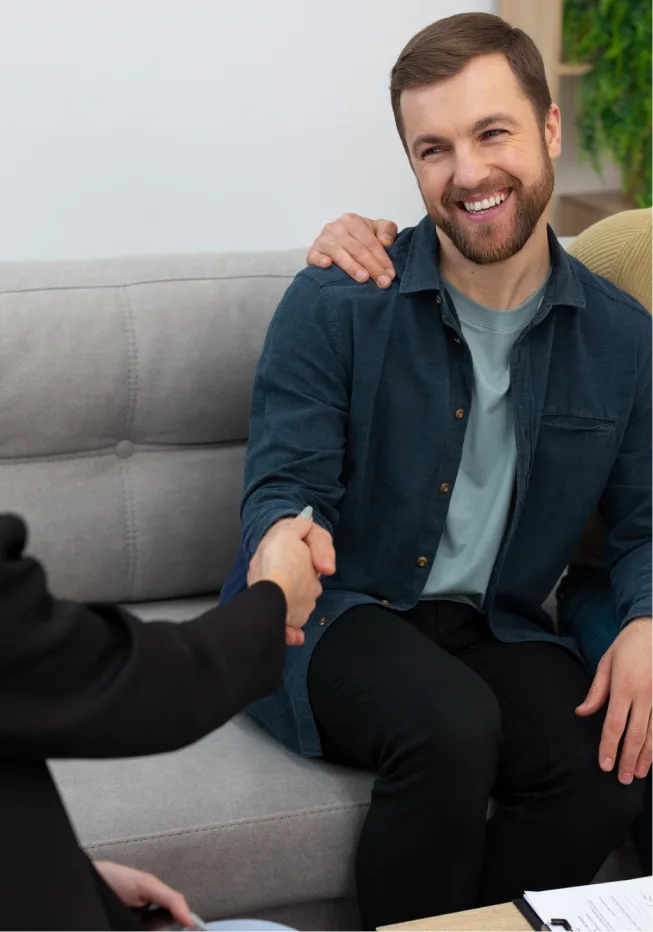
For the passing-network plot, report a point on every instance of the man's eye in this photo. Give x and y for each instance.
(434, 150)
(493, 133)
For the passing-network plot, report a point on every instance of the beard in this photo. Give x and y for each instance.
(477, 242)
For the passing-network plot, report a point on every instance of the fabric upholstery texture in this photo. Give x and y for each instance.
(236, 821)
(619, 248)
(126, 388)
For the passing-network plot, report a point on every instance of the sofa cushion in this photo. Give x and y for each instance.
(173, 609)
(122, 439)
(236, 821)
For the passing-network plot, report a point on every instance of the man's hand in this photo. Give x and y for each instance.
(293, 554)
(356, 245)
(136, 889)
(624, 674)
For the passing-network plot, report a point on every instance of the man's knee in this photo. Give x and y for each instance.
(459, 735)
(624, 801)
(600, 794)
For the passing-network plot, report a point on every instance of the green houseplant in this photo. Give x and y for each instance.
(614, 105)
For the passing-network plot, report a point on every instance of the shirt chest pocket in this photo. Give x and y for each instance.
(577, 443)
(578, 424)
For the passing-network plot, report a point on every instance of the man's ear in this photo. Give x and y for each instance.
(553, 131)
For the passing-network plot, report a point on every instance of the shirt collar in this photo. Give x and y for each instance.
(418, 268)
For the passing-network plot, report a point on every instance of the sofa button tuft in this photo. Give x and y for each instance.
(124, 449)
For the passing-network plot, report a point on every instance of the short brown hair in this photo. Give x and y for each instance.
(444, 48)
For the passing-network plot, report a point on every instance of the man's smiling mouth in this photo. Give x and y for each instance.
(482, 209)
(479, 206)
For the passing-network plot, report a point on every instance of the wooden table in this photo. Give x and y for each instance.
(503, 918)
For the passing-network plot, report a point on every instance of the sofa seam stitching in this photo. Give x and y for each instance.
(220, 828)
(109, 451)
(125, 471)
(148, 281)
(132, 360)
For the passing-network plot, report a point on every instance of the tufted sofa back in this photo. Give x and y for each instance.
(124, 402)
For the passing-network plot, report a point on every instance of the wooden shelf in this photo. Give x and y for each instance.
(542, 20)
(571, 71)
(577, 212)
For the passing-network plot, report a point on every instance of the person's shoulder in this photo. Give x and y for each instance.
(334, 277)
(618, 248)
(606, 243)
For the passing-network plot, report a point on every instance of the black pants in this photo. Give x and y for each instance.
(447, 715)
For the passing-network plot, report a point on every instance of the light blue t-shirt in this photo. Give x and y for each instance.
(480, 501)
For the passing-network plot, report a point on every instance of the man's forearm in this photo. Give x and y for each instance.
(298, 424)
(259, 516)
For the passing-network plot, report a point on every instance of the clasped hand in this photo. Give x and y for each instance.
(294, 553)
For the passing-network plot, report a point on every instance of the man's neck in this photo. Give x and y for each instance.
(504, 285)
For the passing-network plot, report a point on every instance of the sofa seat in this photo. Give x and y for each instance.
(235, 821)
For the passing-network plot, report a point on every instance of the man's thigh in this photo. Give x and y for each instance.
(538, 687)
(375, 684)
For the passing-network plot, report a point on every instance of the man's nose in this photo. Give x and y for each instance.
(470, 171)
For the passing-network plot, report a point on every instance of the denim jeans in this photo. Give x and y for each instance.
(586, 612)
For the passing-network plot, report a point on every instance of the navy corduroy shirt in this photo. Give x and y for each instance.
(354, 412)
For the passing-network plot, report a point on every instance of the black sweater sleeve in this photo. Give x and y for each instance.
(94, 681)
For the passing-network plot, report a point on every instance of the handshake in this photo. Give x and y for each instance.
(294, 553)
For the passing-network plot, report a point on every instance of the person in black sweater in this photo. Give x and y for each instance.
(95, 682)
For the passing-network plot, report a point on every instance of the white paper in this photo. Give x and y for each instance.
(601, 907)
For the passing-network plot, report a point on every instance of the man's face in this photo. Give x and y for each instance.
(482, 161)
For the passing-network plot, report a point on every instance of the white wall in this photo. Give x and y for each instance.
(132, 126)
(140, 126)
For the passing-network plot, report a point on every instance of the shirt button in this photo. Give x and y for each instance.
(438, 299)
(384, 602)
(445, 488)
(323, 620)
(422, 562)
(457, 340)
(459, 414)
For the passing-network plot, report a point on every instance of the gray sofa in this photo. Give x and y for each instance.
(124, 388)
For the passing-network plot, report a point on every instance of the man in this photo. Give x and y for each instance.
(453, 434)
(619, 249)
(96, 682)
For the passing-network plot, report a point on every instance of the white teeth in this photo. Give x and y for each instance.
(486, 203)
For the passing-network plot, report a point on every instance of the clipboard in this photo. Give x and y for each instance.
(529, 914)
(616, 904)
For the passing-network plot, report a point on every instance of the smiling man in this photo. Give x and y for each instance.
(454, 433)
